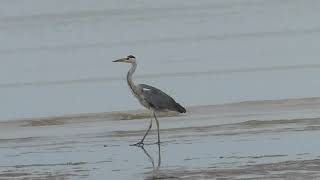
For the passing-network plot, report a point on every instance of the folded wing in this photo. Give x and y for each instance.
(160, 100)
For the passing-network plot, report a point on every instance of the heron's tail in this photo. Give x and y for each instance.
(180, 108)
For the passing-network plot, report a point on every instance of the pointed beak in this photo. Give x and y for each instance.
(120, 60)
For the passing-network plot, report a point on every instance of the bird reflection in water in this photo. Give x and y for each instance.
(155, 168)
(155, 174)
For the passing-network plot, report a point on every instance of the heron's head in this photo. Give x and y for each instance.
(128, 59)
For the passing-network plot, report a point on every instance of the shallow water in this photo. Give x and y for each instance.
(249, 140)
(66, 110)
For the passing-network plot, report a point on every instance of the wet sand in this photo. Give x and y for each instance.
(248, 140)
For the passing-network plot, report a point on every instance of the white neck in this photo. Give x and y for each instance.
(132, 86)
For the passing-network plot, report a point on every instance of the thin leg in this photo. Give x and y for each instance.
(145, 135)
(155, 117)
(140, 143)
(159, 156)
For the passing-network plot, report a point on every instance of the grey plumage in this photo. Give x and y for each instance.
(150, 97)
(159, 100)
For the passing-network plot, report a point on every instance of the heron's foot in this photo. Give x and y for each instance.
(138, 144)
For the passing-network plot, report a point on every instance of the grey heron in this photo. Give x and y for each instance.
(150, 97)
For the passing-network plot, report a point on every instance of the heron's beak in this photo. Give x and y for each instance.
(120, 60)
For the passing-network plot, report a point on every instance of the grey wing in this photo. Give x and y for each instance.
(159, 100)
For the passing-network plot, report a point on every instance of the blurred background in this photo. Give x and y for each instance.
(56, 55)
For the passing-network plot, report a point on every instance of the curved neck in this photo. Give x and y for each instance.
(132, 86)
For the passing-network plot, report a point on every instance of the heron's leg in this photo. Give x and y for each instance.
(145, 135)
(140, 143)
(159, 156)
(155, 117)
